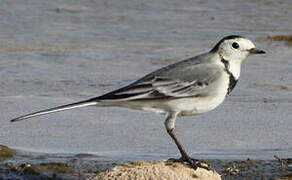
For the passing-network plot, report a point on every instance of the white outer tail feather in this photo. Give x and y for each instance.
(56, 109)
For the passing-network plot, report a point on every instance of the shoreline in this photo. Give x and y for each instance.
(23, 165)
(220, 154)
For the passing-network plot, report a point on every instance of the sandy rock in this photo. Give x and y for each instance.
(160, 170)
(6, 152)
(288, 177)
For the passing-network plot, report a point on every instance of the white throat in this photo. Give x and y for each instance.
(234, 68)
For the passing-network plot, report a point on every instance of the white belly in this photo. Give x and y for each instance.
(186, 106)
(195, 105)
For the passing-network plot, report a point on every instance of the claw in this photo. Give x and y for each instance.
(194, 163)
(203, 164)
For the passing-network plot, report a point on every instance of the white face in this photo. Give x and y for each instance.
(236, 49)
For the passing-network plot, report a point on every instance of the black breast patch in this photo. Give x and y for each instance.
(232, 83)
(232, 80)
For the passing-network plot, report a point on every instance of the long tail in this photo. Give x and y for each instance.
(57, 109)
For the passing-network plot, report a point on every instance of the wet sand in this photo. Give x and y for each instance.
(58, 52)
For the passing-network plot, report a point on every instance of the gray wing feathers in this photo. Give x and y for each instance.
(178, 88)
(195, 81)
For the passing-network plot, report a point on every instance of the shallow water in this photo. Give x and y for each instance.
(58, 52)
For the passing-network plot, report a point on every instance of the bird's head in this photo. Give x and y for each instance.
(235, 48)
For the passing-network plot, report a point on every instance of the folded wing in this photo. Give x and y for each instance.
(195, 81)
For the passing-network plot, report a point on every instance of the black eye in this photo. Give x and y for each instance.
(235, 45)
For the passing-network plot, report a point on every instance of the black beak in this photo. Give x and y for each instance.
(256, 51)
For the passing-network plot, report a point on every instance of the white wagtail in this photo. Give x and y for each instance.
(189, 87)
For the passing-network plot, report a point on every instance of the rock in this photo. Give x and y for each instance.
(159, 170)
(288, 177)
(286, 38)
(6, 152)
(47, 170)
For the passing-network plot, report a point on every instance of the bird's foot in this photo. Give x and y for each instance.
(194, 163)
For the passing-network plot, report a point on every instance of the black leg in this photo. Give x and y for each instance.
(169, 124)
(184, 155)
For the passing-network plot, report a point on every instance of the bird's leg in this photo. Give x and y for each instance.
(170, 126)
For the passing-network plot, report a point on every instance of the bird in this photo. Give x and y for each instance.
(189, 87)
